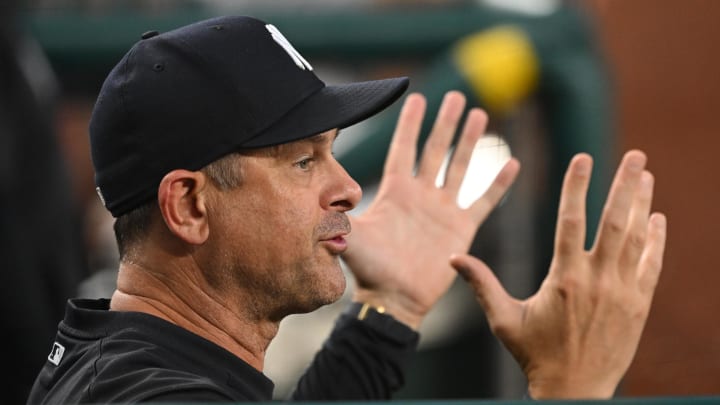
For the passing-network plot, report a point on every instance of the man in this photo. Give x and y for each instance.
(212, 146)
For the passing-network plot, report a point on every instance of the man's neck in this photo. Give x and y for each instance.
(196, 308)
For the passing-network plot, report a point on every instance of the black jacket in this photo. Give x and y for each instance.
(102, 356)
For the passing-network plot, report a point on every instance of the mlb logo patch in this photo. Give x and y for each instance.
(56, 353)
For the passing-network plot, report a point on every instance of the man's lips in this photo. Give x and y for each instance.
(335, 243)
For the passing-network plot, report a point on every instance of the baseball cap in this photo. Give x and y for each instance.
(184, 98)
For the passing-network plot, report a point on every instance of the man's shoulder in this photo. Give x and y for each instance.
(102, 372)
(101, 356)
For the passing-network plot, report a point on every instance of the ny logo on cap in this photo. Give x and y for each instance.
(294, 54)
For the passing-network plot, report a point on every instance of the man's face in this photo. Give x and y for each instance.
(277, 237)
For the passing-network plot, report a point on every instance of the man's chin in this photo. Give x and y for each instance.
(324, 285)
(330, 292)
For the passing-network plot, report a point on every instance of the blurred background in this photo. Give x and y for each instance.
(556, 77)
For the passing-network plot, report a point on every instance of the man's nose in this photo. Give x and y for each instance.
(345, 193)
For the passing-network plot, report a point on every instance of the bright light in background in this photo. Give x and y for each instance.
(489, 156)
(530, 7)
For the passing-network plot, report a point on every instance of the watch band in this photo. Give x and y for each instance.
(366, 308)
(364, 311)
(376, 318)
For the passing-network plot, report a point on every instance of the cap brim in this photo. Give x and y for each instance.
(337, 106)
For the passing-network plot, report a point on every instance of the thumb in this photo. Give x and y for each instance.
(489, 292)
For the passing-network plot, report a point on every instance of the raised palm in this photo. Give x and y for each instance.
(400, 246)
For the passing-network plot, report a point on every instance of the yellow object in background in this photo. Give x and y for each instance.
(500, 65)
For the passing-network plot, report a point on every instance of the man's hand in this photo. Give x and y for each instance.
(576, 337)
(399, 248)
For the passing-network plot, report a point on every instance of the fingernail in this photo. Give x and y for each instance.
(583, 167)
(636, 162)
(660, 220)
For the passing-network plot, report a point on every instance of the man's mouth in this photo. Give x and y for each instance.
(333, 231)
(336, 244)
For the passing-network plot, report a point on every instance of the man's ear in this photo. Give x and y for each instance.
(183, 204)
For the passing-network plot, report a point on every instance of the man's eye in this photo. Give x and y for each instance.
(304, 164)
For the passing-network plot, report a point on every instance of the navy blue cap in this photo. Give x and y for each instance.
(183, 99)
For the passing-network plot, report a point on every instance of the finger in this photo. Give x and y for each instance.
(482, 207)
(638, 227)
(473, 130)
(402, 151)
(491, 295)
(571, 223)
(614, 220)
(436, 147)
(652, 257)
(353, 235)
